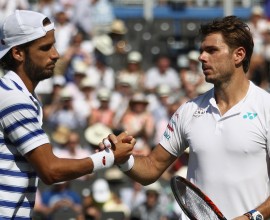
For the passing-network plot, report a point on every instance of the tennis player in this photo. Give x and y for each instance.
(28, 55)
(226, 129)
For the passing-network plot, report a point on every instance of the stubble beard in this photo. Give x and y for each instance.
(35, 72)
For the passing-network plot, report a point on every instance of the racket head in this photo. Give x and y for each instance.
(195, 204)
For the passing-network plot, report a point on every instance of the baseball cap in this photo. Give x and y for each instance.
(21, 27)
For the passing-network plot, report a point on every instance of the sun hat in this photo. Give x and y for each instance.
(21, 27)
(104, 44)
(134, 57)
(100, 190)
(118, 27)
(96, 132)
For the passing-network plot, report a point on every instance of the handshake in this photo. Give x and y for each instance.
(115, 150)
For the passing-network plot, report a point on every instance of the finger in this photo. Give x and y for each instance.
(107, 143)
(112, 138)
(101, 146)
(127, 139)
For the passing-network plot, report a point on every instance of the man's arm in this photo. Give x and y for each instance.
(148, 169)
(52, 169)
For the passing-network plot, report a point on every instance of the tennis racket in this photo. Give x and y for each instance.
(195, 204)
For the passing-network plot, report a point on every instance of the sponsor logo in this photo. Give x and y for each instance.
(199, 112)
(166, 135)
(250, 115)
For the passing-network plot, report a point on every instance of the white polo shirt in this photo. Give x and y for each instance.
(229, 154)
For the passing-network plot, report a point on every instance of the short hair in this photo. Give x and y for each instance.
(235, 32)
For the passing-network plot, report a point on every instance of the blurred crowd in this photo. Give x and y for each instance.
(100, 87)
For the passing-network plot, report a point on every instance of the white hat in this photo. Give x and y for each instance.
(101, 190)
(118, 27)
(134, 57)
(96, 132)
(154, 187)
(87, 82)
(104, 94)
(21, 27)
(104, 44)
(194, 55)
(164, 90)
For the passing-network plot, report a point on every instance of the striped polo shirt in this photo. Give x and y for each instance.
(21, 132)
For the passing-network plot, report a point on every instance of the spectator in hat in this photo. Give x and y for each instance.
(103, 113)
(139, 123)
(192, 78)
(134, 71)
(87, 100)
(96, 132)
(101, 73)
(151, 208)
(64, 113)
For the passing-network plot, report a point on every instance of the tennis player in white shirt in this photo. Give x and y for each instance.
(226, 129)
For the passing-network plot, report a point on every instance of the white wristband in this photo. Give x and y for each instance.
(127, 165)
(103, 159)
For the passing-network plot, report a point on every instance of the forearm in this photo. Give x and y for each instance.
(147, 169)
(143, 170)
(264, 208)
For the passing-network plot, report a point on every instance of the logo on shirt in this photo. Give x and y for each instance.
(250, 115)
(199, 112)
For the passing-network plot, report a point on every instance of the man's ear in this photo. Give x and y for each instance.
(17, 53)
(239, 55)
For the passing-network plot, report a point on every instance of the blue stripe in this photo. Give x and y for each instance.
(15, 218)
(17, 124)
(18, 189)
(29, 136)
(4, 86)
(17, 85)
(17, 173)
(17, 204)
(15, 108)
(18, 158)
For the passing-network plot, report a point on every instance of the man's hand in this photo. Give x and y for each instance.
(121, 145)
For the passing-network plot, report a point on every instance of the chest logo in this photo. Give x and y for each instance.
(199, 112)
(250, 115)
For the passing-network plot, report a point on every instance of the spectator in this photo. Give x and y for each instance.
(103, 113)
(162, 73)
(73, 149)
(139, 123)
(258, 25)
(7, 7)
(64, 112)
(151, 208)
(192, 78)
(134, 70)
(61, 197)
(102, 74)
(64, 31)
(76, 53)
(94, 17)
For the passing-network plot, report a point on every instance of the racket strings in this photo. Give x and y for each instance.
(196, 205)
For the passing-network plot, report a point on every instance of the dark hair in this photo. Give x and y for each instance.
(235, 32)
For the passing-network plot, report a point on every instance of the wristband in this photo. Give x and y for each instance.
(103, 159)
(127, 165)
